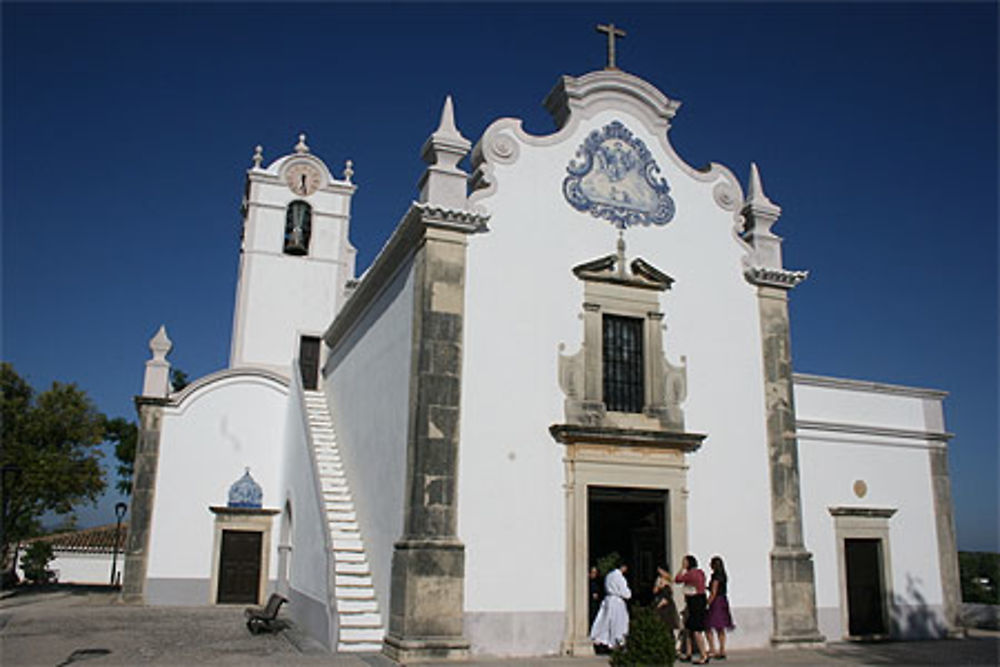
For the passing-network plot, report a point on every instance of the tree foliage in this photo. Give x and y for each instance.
(124, 435)
(980, 574)
(50, 456)
(35, 562)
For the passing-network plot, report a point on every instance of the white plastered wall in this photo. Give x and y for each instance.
(895, 470)
(367, 384)
(522, 301)
(223, 424)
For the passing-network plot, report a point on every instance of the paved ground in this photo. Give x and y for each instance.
(59, 628)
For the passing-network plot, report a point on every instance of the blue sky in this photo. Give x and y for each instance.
(127, 129)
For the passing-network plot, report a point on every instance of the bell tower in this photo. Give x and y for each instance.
(295, 261)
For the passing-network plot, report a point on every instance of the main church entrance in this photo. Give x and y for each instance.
(633, 524)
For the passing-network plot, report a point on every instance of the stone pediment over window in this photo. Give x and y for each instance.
(620, 377)
(611, 269)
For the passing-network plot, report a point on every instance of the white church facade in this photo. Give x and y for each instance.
(580, 345)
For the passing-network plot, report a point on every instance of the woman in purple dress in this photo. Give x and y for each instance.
(719, 619)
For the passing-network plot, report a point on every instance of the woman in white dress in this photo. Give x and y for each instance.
(611, 625)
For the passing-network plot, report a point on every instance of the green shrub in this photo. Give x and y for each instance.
(649, 642)
(35, 562)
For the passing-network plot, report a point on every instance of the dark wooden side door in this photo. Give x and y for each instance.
(865, 595)
(239, 567)
(309, 361)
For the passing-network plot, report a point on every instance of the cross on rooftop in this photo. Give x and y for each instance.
(612, 32)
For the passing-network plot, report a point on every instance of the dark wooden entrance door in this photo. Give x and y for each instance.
(239, 567)
(865, 596)
(309, 361)
(633, 523)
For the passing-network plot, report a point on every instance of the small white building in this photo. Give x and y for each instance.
(577, 345)
(90, 556)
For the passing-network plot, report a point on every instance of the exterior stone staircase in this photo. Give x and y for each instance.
(359, 620)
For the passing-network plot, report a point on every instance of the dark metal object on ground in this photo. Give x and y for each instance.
(264, 618)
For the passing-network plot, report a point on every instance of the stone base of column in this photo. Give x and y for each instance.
(577, 647)
(426, 605)
(793, 594)
(406, 651)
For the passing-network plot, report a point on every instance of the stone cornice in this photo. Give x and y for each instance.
(284, 207)
(863, 429)
(243, 511)
(863, 512)
(780, 278)
(407, 237)
(808, 380)
(575, 434)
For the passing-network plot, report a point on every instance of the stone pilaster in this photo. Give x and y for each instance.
(793, 582)
(944, 517)
(428, 567)
(147, 452)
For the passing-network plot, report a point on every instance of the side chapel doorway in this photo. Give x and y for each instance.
(239, 567)
(863, 564)
(634, 524)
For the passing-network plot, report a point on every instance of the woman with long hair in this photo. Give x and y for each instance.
(719, 618)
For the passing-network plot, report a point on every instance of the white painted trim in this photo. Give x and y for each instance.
(863, 429)
(807, 380)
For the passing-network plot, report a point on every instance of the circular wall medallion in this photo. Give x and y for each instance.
(303, 178)
(860, 488)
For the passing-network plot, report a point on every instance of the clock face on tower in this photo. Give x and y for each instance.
(303, 178)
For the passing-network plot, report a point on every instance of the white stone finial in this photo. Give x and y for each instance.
(447, 125)
(301, 147)
(348, 170)
(156, 381)
(160, 344)
(258, 156)
(444, 183)
(760, 214)
(755, 191)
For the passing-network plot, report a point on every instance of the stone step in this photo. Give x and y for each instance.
(361, 635)
(348, 545)
(349, 557)
(343, 527)
(352, 580)
(357, 606)
(362, 620)
(353, 593)
(359, 647)
(352, 567)
(333, 505)
(340, 515)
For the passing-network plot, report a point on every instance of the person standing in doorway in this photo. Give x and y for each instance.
(719, 618)
(694, 596)
(611, 625)
(594, 593)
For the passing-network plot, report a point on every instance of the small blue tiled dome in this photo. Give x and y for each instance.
(245, 492)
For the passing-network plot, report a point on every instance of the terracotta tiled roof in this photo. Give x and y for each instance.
(96, 539)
